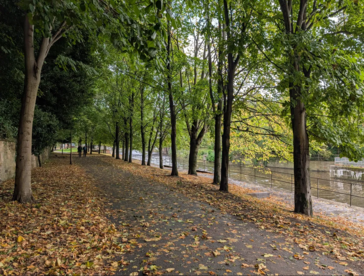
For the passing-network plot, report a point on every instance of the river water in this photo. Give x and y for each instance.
(328, 181)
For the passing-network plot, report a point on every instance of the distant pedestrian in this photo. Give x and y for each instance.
(84, 151)
(79, 149)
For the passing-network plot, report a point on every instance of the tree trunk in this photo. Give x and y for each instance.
(99, 147)
(22, 190)
(161, 166)
(218, 112)
(113, 149)
(117, 144)
(131, 127)
(126, 146)
(142, 124)
(151, 146)
(227, 109)
(195, 142)
(171, 106)
(192, 159)
(301, 157)
(302, 184)
(91, 145)
(226, 133)
(71, 148)
(40, 163)
(150, 149)
(217, 146)
(86, 141)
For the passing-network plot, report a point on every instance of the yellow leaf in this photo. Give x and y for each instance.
(169, 270)
(115, 264)
(203, 267)
(20, 239)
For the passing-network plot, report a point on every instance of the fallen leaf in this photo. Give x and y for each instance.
(203, 267)
(20, 239)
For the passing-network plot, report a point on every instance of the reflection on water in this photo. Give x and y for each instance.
(327, 180)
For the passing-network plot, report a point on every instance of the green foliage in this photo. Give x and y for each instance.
(44, 130)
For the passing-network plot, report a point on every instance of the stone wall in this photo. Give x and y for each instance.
(7, 160)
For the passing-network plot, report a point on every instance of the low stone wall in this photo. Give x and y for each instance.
(7, 160)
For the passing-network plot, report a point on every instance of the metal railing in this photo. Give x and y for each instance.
(283, 180)
(270, 177)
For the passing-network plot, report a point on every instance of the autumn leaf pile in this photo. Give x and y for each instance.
(64, 232)
(338, 239)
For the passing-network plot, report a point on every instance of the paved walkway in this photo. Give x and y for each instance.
(170, 233)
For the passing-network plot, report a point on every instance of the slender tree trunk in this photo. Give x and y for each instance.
(161, 166)
(217, 112)
(195, 142)
(226, 133)
(71, 148)
(151, 146)
(33, 67)
(171, 106)
(150, 150)
(131, 127)
(217, 145)
(117, 144)
(302, 193)
(86, 141)
(149, 162)
(227, 109)
(142, 124)
(99, 147)
(192, 159)
(126, 146)
(91, 145)
(301, 157)
(123, 150)
(113, 149)
(40, 163)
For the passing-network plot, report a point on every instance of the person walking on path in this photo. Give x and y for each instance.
(84, 150)
(79, 149)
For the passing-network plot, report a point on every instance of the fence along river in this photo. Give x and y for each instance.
(328, 181)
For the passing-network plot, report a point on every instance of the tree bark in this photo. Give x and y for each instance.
(22, 190)
(161, 166)
(117, 144)
(227, 109)
(142, 124)
(131, 127)
(171, 105)
(99, 147)
(40, 163)
(71, 148)
(91, 144)
(217, 145)
(113, 149)
(302, 184)
(86, 141)
(151, 146)
(192, 160)
(126, 146)
(217, 111)
(301, 157)
(195, 142)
